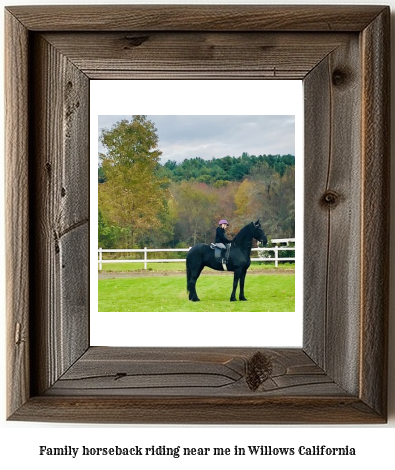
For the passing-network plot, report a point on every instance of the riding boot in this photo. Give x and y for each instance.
(224, 260)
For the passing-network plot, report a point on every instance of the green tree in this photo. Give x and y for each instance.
(101, 175)
(133, 195)
(109, 236)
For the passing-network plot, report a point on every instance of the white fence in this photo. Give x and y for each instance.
(261, 257)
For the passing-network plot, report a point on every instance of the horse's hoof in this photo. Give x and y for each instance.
(242, 298)
(232, 300)
(196, 300)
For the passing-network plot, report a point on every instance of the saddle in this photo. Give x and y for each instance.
(221, 253)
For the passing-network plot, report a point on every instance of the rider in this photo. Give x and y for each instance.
(220, 238)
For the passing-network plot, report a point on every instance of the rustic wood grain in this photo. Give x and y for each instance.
(17, 213)
(376, 212)
(339, 376)
(198, 410)
(208, 372)
(60, 192)
(196, 55)
(196, 17)
(333, 214)
(317, 116)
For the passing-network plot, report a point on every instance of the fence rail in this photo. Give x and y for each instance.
(274, 249)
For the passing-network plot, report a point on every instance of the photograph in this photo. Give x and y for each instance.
(194, 203)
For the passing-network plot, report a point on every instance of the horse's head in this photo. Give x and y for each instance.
(258, 233)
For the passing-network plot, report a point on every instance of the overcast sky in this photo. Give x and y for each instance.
(182, 137)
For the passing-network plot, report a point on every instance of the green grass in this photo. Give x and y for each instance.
(265, 293)
(178, 266)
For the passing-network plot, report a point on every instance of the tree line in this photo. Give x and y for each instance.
(145, 203)
(218, 171)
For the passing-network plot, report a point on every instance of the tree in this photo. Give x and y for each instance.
(108, 235)
(133, 195)
(243, 198)
(273, 199)
(197, 211)
(101, 175)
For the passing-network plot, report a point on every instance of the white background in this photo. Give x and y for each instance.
(19, 442)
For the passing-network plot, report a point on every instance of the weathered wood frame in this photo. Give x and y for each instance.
(340, 374)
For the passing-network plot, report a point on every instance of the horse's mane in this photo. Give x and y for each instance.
(243, 233)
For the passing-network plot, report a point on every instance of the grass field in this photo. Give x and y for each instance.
(265, 293)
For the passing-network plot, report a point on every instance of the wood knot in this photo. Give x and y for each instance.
(340, 77)
(18, 333)
(133, 42)
(120, 375)
(330, 198)
(259, 369)
(56, 237)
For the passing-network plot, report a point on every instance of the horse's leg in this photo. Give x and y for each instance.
(236, 277)
(242, 280)
(192, 288)
(192, 284)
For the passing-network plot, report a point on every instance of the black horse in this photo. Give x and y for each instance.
(202, 255)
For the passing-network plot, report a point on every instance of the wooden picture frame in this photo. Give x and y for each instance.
(340, 374)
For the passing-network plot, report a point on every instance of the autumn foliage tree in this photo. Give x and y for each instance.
(132, 196)
(196, 210)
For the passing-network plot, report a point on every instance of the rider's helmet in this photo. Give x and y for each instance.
(223, 221)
